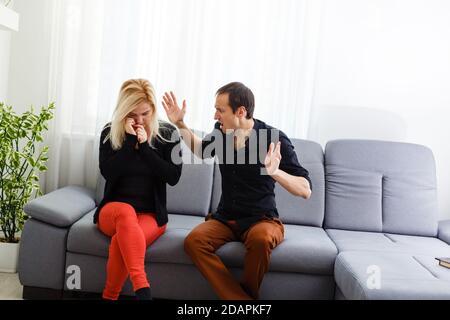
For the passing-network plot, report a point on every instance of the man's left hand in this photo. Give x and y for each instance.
(273, 159)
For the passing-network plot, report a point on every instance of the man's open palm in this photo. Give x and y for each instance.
(173, 111)
(273, 158)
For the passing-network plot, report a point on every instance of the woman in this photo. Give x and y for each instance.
(136, 161)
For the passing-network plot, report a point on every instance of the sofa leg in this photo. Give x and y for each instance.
(35, 293)
(81, 295)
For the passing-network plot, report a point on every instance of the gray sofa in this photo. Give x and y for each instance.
(369, 231)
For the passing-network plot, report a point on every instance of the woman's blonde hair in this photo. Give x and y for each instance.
(132, 93)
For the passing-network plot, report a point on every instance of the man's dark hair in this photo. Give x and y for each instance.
(239, 95)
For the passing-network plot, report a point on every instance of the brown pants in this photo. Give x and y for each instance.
(259, 240)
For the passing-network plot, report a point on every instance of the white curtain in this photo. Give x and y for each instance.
(192, 47)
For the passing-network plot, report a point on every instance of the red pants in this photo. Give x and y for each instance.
(131, 235)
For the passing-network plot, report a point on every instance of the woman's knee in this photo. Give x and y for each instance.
(123, 210)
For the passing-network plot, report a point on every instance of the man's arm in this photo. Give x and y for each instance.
(298, 186)
(191, 139)
(176, 116)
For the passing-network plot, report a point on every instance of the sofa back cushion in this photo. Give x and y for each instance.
(100, 188)
(216, 190)
(296, 210)
(292, 209)
(380, 186)
(192, 194)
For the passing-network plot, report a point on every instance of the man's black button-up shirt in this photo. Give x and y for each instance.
(247, 192)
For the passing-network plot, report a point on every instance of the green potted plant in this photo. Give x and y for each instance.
(21, 160)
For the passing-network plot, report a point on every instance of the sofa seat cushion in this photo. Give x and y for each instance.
(347, 240)
(380, 276)
(304, 250)
(84, 236)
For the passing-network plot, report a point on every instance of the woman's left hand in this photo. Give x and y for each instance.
(141, 134)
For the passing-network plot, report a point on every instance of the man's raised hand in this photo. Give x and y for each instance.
(273, 158)
(173, 111)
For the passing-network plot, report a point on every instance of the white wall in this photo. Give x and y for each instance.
(29, 61)
(5, 40)
(5, 48)
(384, 73)
(29, 58)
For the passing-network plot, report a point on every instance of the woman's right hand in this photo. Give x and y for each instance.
(129, 123)
(173, 111)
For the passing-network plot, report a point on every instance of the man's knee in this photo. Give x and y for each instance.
(193, 242)
(260, 242)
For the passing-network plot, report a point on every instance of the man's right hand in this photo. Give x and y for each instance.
(176, 116)
(129, 123)
(173, 111)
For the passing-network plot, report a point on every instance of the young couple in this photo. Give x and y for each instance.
(136, 161)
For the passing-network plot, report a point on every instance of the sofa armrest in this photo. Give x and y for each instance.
(444, 231)
(62, 207)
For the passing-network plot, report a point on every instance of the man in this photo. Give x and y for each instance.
(247, 210)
